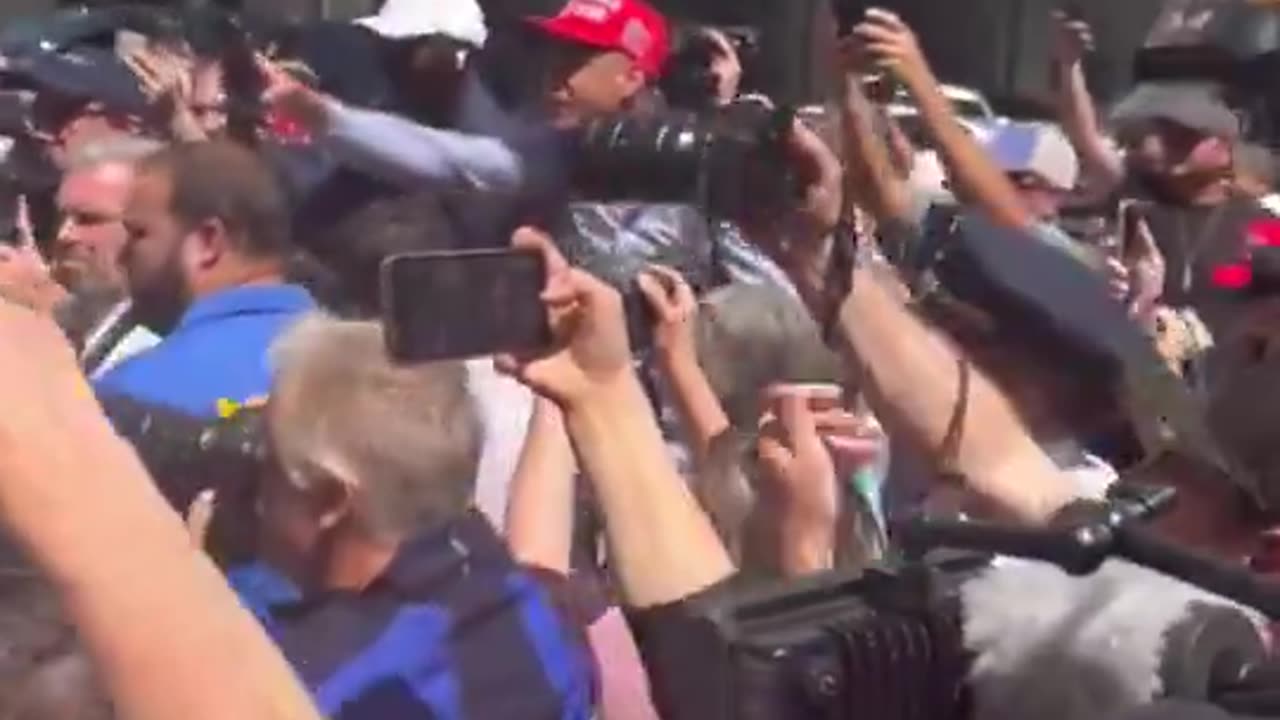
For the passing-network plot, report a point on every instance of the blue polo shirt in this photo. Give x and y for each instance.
(218, 351)
(453, 630)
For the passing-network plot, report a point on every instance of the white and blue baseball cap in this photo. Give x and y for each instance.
(1036, 148)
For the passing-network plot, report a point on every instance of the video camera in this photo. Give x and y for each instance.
(909, 641)
(886, 644)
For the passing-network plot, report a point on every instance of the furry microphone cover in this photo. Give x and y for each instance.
(1056, 647)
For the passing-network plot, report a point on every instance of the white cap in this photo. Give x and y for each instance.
(1038, 148)
(400, 19)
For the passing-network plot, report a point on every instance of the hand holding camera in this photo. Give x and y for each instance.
(801, 242)
(674, 308)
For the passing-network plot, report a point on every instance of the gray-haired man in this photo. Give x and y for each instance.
(84, 255)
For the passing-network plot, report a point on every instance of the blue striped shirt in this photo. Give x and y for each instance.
(451, 631)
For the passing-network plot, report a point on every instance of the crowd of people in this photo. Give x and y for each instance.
(746, 386)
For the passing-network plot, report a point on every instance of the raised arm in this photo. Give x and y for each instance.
(1076, 110)
(916, 381)
(405, 153)
(663, 546)
(675, 309)
(168, 637)
(540, 505)
(395, 149)
(893, 47)
(882, 192)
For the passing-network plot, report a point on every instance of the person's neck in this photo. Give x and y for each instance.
(355, 563)
(1212, 194)
(246, 276)
(1199, 192)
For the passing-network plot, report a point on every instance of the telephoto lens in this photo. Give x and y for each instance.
(730, 163)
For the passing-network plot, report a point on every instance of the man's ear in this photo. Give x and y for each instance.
(332, 495)
(633, 80)
(211, 242)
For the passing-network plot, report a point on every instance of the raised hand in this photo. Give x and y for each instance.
(591, 352)
(1147, 271)
(798, 469)
(25, 277)
(1072, 39)
(292, 99)
(163, 75)
(891, 46)
(674, 309)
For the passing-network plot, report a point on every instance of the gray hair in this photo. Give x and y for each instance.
(752, 336)
(409, 437)
(114, 150)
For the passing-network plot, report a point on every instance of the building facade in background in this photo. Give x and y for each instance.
(998, 46)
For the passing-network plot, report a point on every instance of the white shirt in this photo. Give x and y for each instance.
(1271, 203)
(505, 407)
(138, 340)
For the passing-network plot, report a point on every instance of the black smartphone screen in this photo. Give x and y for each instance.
(452, 305)
(849, 13)
(1131, 215)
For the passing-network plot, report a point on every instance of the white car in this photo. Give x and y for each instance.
(974, 113)
(968, 103)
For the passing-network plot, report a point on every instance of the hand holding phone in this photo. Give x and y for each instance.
(1142, 255)
(1132, 217)
(668, 315)
(1073, 38)
(589, 357)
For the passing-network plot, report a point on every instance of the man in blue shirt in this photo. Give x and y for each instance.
(208, 231)
(390, 595)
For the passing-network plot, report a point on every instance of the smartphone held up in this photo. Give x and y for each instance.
(455, 305)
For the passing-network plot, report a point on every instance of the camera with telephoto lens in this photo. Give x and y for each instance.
(188, 455)
(731, 163)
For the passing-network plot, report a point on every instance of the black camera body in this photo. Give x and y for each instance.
(186, 456)
(730, 162)
(887, 644)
